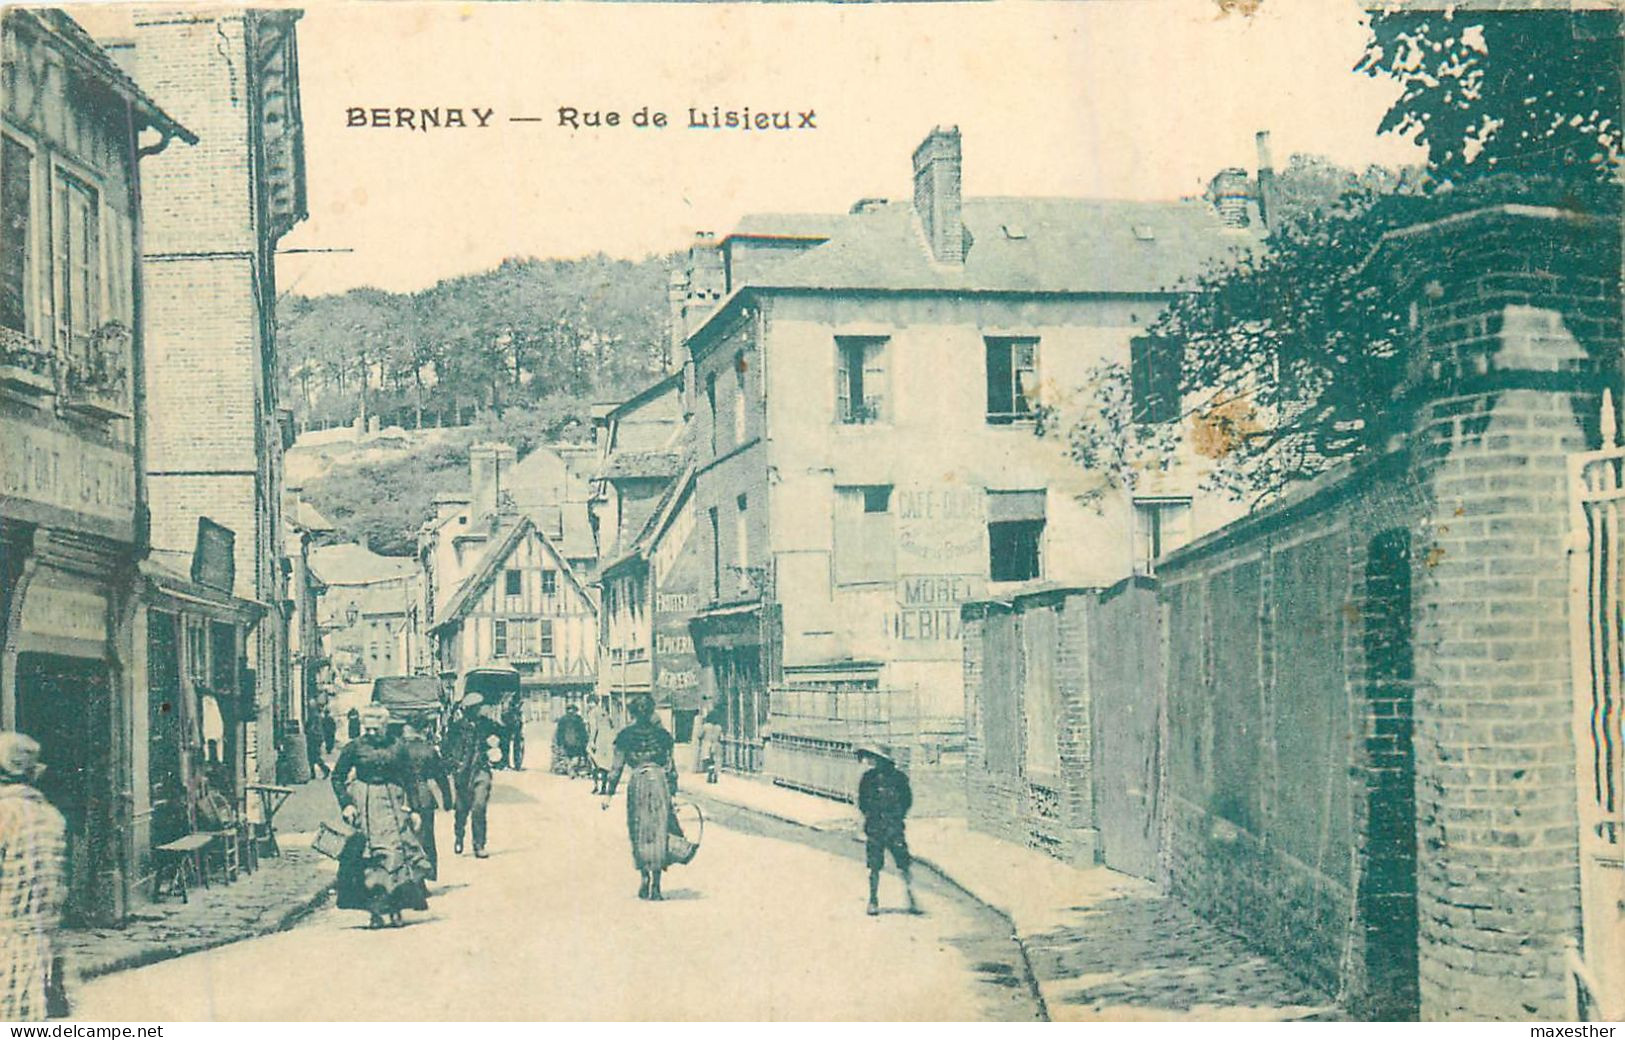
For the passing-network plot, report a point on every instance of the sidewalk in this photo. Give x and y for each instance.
(1101, 945)
(284, 889)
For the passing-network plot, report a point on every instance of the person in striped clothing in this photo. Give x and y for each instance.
(32, 882)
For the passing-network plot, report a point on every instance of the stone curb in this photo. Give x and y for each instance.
(153, 955)
(1028, 975)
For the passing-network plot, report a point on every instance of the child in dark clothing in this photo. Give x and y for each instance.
(884, 798)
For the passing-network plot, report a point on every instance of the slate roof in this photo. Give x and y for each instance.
(628, 464)
(352, 564)
(73, 41)
(310, 518)
(659, 520)
(1019, 245)
(788, 225)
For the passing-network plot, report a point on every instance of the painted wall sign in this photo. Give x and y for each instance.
(928, 607)
(939, 528)
(54, 469)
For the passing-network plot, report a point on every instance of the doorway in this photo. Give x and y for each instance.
(1387, 884)
(63, 702)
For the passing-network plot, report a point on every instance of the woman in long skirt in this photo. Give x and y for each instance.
(644, 747)
(383, 873)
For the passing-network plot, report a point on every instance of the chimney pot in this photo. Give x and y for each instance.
(488, 469)
(1266, 180)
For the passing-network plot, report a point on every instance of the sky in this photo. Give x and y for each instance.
(1110, 98)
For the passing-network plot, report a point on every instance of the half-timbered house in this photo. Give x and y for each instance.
(524, 606)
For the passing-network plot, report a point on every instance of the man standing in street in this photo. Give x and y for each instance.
(32, 886)
(474, 740)
(513, 732)
(570, 737)
(429, 774)
(313, 743)
(884, 799)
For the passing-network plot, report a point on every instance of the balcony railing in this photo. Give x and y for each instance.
(25, 364)
(862, 413)
(97, 381)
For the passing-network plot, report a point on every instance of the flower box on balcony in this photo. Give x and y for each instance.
(98, 381)
(24, 364)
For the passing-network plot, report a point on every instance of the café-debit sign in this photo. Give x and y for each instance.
(52, 477)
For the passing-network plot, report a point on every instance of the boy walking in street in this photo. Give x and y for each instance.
(884, 798)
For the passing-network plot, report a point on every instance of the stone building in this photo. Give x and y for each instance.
(367, 612)
(649, 593)
(866, 389)
(73, 419)
(212, 217)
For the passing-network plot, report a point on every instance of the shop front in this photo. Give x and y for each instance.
(199, 704)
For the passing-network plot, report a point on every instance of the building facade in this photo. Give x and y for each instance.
(648, 596)
(213, 216)
(869, 393)
(73, 414)
(367, 613)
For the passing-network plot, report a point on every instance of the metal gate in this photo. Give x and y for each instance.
(1597, 628)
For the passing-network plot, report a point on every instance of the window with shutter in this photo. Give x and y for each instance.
(861, 381)
(1015, 535)
(865, 537)
(16, 234)
(1012, 378)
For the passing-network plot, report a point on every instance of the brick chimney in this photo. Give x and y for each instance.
(1230, 194)
(937, 167)
(488, 469)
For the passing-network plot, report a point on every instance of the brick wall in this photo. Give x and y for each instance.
(1286, 800)
(1101, 702)
(213, 447)
(1367, 761)
(1517, 335)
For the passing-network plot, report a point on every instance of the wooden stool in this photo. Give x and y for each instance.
(177, 861)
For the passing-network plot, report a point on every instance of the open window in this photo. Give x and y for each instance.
(1012, 378)
(860, 379)
(1015, 535)
(1155, 367)
(1161, 525)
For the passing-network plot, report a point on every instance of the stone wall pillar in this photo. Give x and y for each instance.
(1516, 320)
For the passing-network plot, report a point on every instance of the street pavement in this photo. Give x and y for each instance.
(759, 926)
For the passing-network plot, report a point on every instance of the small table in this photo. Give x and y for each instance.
(271, 798)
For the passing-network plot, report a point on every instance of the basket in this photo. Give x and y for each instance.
(333, 838)
(682, 848)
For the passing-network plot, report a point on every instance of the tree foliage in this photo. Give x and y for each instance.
(526, 332)
(1536, 93)
(1293, 351)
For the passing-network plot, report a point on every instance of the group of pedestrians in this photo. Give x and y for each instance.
(386, 781)
(584, 745)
